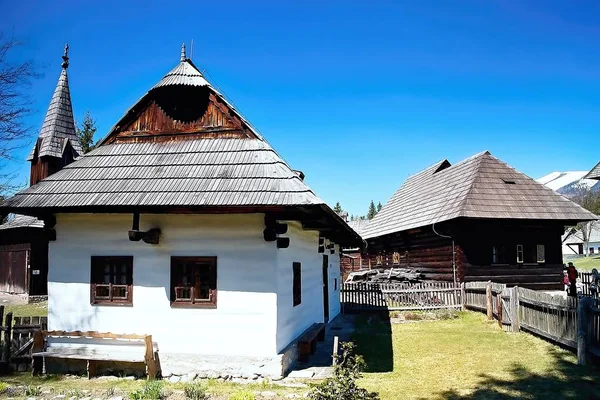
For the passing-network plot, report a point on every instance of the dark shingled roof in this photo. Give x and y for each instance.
(58, 127)
(481, 186)
(204, 172)
(195, 173)
(594, 173)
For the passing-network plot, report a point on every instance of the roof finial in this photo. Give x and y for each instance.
(182, 52)
(65, 57)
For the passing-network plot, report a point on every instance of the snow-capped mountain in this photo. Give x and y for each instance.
(567, 183)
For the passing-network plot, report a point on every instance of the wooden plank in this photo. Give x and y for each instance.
(94, 334)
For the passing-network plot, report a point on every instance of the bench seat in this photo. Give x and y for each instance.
(307, 341)
(94, 347)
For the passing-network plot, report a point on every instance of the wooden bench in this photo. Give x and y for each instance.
(94, 347)
(307, 342)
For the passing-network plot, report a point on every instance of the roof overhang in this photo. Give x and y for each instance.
(312, 217)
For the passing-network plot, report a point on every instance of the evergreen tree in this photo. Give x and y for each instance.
(337, 208)
(379, 206)
(372, 210)
(86, 131)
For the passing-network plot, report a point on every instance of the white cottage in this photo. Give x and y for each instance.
(185, 224)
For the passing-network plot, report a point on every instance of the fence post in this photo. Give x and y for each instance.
(583, 320)
(7, 337)
(514, 309)
(499, 308)
(488, 295)
(463, 297)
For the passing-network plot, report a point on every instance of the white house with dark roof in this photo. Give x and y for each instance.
(184, 223)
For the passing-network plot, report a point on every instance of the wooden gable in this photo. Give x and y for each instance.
(180, 112)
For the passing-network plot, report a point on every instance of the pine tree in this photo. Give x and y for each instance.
(85, 133)
(337, 208)
(379, 206)
(372, 210)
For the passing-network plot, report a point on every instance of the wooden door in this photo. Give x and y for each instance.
(13, 271)
(325, 288)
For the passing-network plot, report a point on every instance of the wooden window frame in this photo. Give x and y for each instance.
(211, 302)
(498, 252)
(99, 262)
(296, 284)
(520, 254)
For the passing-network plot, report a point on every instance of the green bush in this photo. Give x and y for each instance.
(342, 385)
(151, 390)
(3, 387)
(243, 395)
(194, 391)
(33, 391)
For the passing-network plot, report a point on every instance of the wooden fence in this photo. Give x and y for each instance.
(571, 322)
(17, 340)
(369, 296)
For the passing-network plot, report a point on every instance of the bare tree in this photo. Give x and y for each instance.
(589, 200)
(15, 77)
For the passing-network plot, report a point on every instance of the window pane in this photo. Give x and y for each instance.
(194, 279)
(102, 291)
(120, 292)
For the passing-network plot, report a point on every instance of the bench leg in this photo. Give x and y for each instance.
(91, 368)
(37, 364)
(303, 351)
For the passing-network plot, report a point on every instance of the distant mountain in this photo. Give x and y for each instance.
(567, 183)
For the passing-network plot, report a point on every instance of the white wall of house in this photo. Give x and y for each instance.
(254, 314)
(244, 321)
(292, 321)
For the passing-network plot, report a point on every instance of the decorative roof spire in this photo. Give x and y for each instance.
(58, 126)
(182, 52)
(65, 57)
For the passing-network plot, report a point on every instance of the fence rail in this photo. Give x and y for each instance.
(399, 296)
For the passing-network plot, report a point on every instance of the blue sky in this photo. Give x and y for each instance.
(358, 95)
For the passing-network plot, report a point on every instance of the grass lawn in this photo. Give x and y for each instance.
(468, 358)
(27, 310)
(586, 263)
(79, 387)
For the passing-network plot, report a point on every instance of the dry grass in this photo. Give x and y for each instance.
(468, 358)
(82, 387)
(27, 310)
(586, 263)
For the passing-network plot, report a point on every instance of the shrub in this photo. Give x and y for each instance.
(3, 387)
(33, 391)
(151, 390)
(194, 391)
(243, 395)
(342, 385)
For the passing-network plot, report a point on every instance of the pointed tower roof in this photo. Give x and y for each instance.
(58, 128)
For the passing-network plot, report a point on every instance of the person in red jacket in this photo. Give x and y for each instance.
(572, 275)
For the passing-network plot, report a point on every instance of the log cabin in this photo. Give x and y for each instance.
(477, 220)
(24, 239)
(185, 224)
(594, 173)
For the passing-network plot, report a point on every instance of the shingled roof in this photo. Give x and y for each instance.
(194, 173)
(594, 173)
(481, 186)
(58, 128)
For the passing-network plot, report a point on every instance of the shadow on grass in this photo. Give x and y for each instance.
(566, 381)
(373, 338)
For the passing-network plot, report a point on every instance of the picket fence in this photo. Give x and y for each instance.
(571, 322)
(367, 296)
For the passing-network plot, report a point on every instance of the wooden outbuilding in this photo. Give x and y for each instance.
(477, 220)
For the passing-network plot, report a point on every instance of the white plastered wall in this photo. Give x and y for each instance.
(292, 321)
(244, 322)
